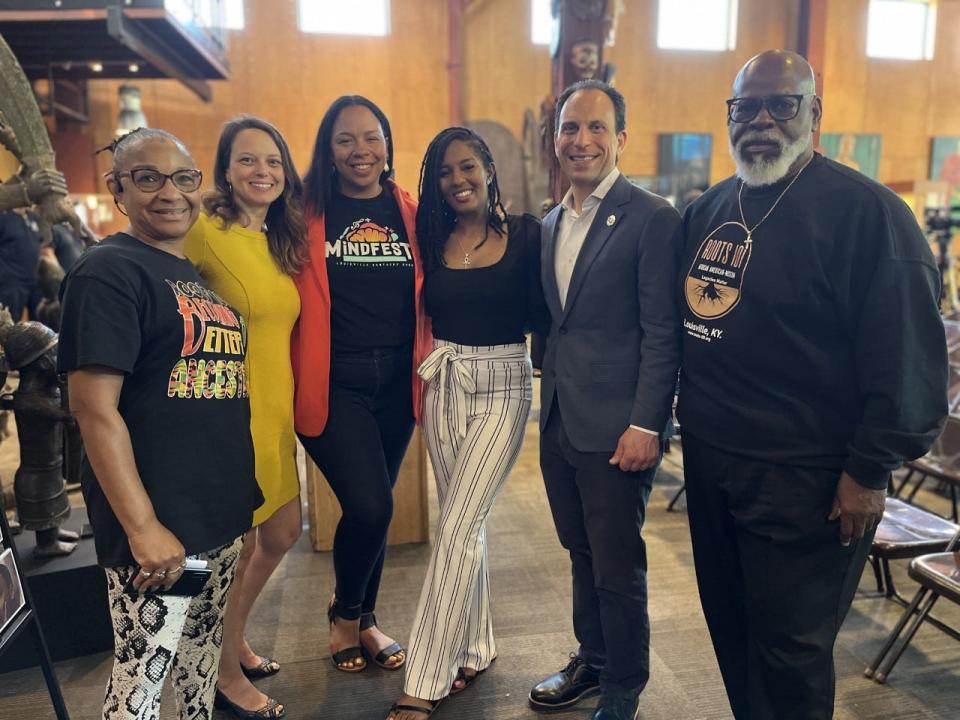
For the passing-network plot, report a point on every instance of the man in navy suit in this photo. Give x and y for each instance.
(610, 264)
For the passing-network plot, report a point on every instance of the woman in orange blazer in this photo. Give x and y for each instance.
(355, 350)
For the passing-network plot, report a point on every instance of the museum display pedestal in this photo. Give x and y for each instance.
(70, 599)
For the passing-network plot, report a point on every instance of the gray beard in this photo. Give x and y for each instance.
(761, 171)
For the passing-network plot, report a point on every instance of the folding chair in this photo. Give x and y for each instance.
(939, 576)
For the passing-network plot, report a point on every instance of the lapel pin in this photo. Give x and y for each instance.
(611, 220)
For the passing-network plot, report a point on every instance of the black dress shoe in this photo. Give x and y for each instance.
(567, 687)
(617, 706)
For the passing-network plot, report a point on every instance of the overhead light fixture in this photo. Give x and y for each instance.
(96, 67)
(133, 67)
(131, 115)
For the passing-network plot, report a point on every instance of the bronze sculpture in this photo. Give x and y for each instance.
(41, 497)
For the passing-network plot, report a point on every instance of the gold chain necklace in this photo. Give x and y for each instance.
(743, 219)
(467, 262)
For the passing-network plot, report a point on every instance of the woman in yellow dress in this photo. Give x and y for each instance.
(246, 245)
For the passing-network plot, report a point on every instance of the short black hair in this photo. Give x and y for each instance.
(319, 181)
(619, 104)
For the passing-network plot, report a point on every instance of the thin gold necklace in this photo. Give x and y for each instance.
(743, 219)
(467, 262)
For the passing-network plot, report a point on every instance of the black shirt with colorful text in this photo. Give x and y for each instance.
(370, 267)
(147, 313)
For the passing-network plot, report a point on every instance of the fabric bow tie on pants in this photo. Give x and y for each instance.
(448, 362)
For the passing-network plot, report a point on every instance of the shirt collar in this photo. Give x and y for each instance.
(599, 192)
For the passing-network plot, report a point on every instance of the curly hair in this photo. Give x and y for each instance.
(286, 227)
(435, 218)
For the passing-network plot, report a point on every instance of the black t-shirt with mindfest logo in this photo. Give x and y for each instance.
(370, 267)
(140, 310)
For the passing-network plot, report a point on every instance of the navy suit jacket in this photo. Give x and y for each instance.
(614, 348)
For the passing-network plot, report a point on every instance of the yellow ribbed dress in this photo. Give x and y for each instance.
(237, 265)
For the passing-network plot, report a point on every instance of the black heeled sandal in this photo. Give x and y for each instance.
(369, 620)
(353, 655)
(271, 711)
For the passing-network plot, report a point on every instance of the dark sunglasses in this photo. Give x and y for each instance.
(780, 107)
(148, 180)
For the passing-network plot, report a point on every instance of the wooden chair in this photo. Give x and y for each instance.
(939, 576)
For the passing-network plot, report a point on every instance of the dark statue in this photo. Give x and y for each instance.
(41, 497)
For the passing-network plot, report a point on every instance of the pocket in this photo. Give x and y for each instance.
(607, 373)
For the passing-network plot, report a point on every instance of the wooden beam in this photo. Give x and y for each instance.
(811, 41)
(455, 10)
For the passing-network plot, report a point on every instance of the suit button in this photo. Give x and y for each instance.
(563, 331)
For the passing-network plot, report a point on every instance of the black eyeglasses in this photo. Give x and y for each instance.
(780, 107)
(149, 180)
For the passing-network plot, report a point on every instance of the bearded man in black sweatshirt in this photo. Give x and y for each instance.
(814, 364)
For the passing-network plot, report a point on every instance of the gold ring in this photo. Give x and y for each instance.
(146, 573)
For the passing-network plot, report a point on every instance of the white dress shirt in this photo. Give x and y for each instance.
(571, 235)
(573, 231)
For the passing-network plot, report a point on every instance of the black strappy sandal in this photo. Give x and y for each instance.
(426, 712)
(353, 654)
(271, 711)
(467, 680)
(266, 668)
(369, 620)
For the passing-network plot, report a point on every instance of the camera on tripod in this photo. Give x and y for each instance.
(942, 219)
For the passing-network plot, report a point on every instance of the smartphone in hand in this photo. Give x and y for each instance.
(189, 584)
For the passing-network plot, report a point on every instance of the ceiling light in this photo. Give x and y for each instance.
(134, 68)
(96, 67)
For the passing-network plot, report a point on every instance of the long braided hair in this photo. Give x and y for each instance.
(435, 218)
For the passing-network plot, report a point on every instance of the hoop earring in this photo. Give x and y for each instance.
(120, 209)
(229, 187)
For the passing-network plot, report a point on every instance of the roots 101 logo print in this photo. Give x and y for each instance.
(715, 279)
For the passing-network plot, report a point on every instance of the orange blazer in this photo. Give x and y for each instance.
(310, 340)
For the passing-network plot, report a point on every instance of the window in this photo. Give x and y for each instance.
(901, 29)
(697, 25)
(541, 22)
(345, 17)
(222, 13)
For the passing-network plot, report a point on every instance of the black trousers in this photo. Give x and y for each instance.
(359, 452)
(598, 511)
(775, 583)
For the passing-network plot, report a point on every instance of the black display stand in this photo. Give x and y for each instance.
(27, 617)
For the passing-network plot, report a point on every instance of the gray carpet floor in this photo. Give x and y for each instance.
(531, 605)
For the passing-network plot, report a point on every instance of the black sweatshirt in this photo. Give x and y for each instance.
(822, 344)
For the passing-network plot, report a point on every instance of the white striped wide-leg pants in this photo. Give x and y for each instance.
(475, 409)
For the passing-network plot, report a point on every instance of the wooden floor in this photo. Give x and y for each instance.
(531, 591)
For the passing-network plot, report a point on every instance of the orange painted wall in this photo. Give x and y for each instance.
(290, 77)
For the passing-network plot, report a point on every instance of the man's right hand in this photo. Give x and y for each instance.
(159, 554)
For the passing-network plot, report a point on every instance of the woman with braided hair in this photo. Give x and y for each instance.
(482, 292)
(157, 382)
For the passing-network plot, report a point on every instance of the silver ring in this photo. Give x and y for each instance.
(146, 573)
(161, 574)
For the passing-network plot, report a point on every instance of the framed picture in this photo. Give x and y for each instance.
(11, 591)
(945, 160)
(683, 163)
(860, 152)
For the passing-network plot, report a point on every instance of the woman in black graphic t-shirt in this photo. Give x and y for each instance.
(158, 386)
(353, 355)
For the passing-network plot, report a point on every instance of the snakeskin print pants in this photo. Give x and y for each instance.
(159, 635)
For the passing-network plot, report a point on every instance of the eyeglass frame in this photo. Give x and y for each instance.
(166, 177)
(764, 105)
